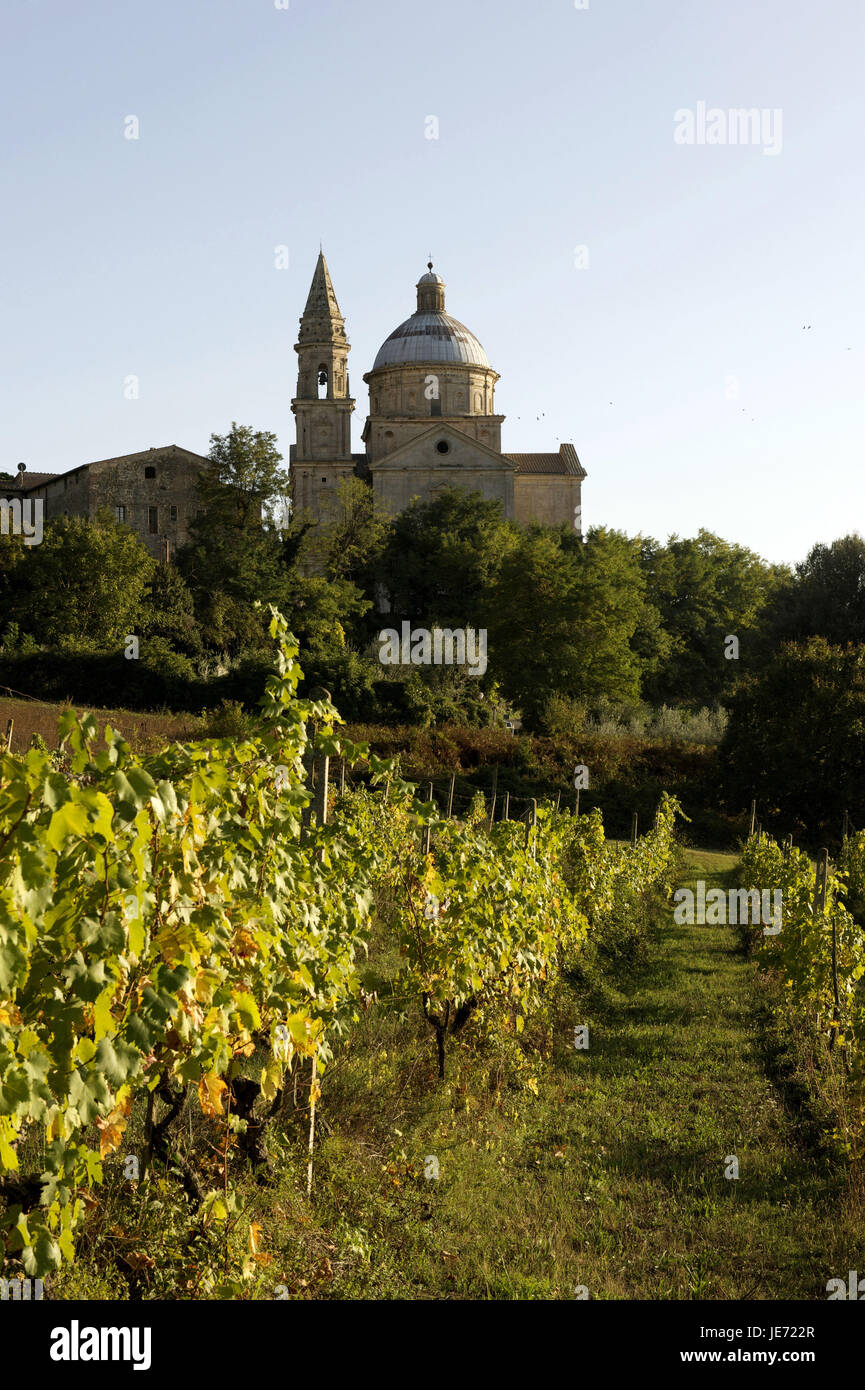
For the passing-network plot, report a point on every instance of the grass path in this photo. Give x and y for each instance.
(615, 1179)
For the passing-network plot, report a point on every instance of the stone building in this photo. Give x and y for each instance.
(152, 492)
(432, 422)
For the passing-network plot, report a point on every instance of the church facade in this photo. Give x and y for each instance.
(432, 422)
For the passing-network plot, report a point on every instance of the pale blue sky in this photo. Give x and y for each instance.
(261, 127)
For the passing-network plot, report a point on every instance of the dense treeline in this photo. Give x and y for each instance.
(580, 632)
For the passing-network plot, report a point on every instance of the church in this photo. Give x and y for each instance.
(432, 422)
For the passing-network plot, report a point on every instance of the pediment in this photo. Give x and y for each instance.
(420, 453)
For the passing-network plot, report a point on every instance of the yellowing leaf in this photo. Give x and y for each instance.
(55, 1126)
(111, 1129)
(210, 1089)
(205, 983)
(271, 1079)
(214, 1208)
(8, 1156)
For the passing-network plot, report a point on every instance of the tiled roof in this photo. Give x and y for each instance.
(537, 463)
(564, 462)
(34, 479)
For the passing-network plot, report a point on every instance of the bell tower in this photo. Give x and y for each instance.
(322, 406)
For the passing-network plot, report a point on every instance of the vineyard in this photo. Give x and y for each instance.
(819, 952)
(177, 931)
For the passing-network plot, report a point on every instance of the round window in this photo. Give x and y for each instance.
(443, 446)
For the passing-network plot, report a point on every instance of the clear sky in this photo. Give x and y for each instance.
(677, 361)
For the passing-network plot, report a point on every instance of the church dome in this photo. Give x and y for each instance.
(430, 335)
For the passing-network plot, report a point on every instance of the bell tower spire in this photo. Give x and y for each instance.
(322, 406)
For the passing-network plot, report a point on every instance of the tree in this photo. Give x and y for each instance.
(705, 589)
(796, 739)
(87, 583)
(170, 611)
(826, 598)
(440, 557)
(561, 619)
(234, 554)
(244, 479)
(351, 540)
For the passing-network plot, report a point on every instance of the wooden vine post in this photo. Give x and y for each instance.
(532, 820)
(312, 1100)
(495, 789)
(426, 830)
(319, 800)
(821, 875)
(451, 795)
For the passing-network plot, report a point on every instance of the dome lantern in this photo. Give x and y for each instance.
(430, 292)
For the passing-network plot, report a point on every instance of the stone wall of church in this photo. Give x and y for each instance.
(402, 390)
(314, 488)
(386, 436)
(550, 498)
(400, 408)
(425, 472)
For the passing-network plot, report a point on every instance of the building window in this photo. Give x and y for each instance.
(324, 480)
(120, 513)
(173, 513)
(435, 407)
(150, 471)
(153, 520)
(443, 446)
